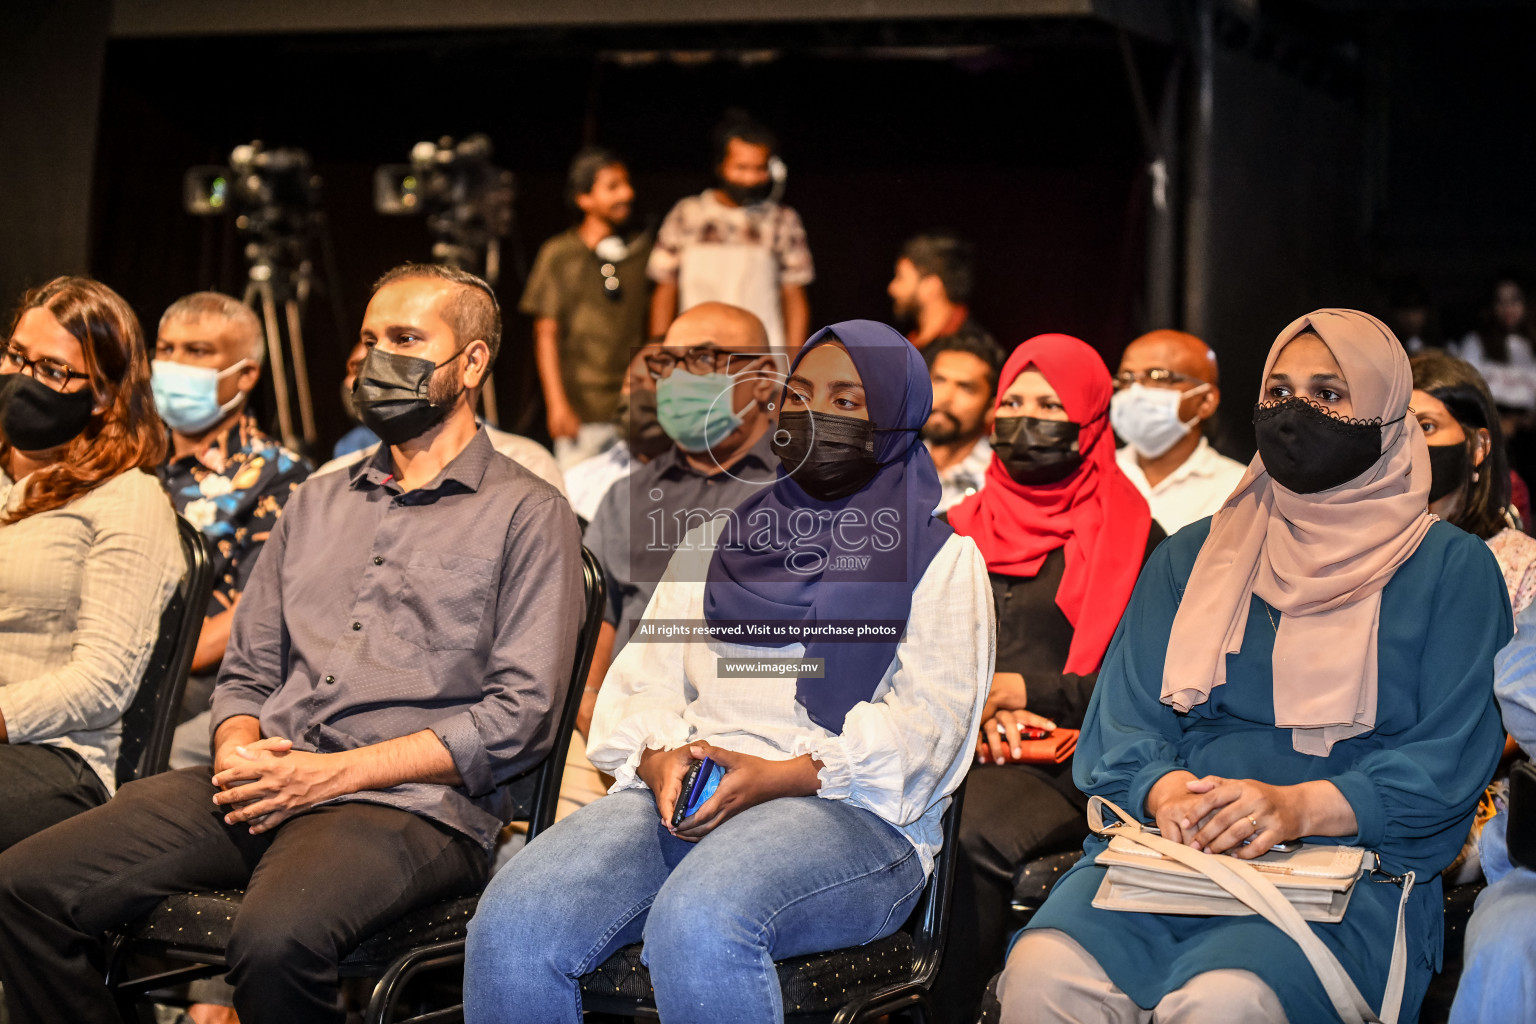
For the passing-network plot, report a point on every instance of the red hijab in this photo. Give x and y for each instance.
(1096, 513)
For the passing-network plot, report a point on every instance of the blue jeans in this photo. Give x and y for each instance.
(786, 878)
(1498, 977)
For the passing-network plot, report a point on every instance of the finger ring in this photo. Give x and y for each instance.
(1254, 822)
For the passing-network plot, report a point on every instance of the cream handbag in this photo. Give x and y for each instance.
(1149, 874)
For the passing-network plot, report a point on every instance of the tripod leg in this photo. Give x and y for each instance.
(275, 359)
(300, 371)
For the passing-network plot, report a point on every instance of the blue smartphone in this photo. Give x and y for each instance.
(699, 784)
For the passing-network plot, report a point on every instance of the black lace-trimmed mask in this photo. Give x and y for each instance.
(1307, 449)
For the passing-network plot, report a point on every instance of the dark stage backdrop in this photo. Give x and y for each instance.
(1029, 150)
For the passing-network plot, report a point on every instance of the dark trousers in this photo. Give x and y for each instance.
(41, 786)
(315, 887)
(1012, 814)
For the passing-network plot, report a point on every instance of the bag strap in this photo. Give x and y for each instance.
(1248, 885)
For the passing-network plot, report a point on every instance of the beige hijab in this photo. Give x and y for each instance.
(1321, 559)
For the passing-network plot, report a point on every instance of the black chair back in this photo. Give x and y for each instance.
(546, 797)
(150, 721)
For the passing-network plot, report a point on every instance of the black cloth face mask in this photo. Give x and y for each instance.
(1307, 450)
(639, 426)
(1036, 451)
(391, 395)
(1449, 469)
(36, 418)
(829, 456)
(746, 195)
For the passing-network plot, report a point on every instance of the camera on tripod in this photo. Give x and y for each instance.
(466, 199)
(274, 196)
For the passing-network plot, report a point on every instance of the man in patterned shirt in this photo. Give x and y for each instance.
(225, 476)
(733, 244)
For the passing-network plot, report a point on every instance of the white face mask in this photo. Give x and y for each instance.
(1148, 418)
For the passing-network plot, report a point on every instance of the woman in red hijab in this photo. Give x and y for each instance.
(1064, 534)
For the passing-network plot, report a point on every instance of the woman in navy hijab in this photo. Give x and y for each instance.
(865, 629)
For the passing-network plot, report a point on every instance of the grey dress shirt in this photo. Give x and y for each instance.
(647, 514)
(375, 613)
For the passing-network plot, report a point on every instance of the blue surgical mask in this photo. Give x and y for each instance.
(188, 396)
(697, 410)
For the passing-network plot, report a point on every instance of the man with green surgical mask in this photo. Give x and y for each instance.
(716, 384)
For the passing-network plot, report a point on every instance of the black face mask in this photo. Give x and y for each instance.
(1036, 451)
(1308, 450)
(1449, 469)
(391, 395)
(36, 418)
(639, 426)
(747, 195)
(348, 403)
(829, 456)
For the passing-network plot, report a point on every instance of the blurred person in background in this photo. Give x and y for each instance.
(225, 476)
(963, 370)
(1411, 315)
(1165, 393)
(359, 436)
(734, 243)
(1501, 350)
(930, 290)
(641, 439)
(590, 298)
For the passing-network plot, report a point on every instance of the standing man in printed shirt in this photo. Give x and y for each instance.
(225, 476)
(734, 244)
(589, 297)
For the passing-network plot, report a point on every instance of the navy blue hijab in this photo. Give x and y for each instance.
(750, 578)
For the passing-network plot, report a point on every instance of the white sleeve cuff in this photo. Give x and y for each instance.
(836, 774)
(619, 752)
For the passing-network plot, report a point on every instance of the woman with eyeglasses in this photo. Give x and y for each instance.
(1064, 533)
(1316, 663)
(89, 552)
(839, 754)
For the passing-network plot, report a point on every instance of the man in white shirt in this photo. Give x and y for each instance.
(1164, 392)
(963, 369)
(734, 244)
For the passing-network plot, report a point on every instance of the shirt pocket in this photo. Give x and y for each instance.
(444, 600)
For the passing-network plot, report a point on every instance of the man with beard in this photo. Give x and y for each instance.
(734, 244)
(589, 297)
(963, 369)
(396, 661)
(929, 292)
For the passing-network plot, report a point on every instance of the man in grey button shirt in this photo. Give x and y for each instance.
(396, 661)
(721, 353)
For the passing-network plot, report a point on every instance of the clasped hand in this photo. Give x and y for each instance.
(1215, 815)
(267, 782)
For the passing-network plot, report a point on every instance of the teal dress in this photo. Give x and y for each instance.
(1413, 781)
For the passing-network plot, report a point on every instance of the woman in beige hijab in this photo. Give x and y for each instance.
(1314, 662)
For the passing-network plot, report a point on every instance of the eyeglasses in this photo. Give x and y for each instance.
(700, 361)
(49, 371)
(1154, 378)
